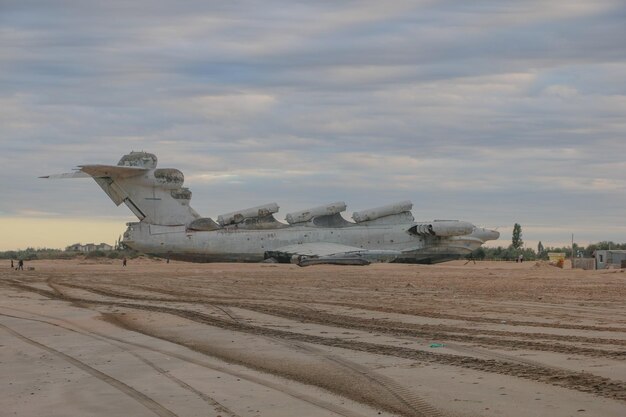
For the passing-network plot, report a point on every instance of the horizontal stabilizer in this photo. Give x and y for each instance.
(100, 171)
(112, 171)
(75, 174)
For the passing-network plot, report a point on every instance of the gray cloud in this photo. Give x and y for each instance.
(490, 111)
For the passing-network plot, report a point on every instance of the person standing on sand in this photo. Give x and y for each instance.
(470, 258)
(12, 266)
(20, 265)
(124, 262)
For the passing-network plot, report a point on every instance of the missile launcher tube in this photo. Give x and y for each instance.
(254, 212)
(168, 178)
(306, 215)
(446, 228)
(384, 211)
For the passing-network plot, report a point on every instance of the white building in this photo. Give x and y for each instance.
(89, 247)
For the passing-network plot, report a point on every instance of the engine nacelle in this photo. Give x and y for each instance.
(168, 178)
(139, 159)
(384, 211)
(306, 215)
(442, 228)
(250, 213)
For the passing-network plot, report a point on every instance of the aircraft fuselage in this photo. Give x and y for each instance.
(234, 244)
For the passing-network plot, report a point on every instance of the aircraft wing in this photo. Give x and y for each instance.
(305, 254)
(100, 171)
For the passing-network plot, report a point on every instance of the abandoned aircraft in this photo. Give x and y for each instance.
(168, 227)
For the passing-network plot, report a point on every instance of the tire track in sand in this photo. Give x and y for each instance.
(336, 409)
(457, 333)
(138, 396)
(219, 296)
(416, 406)
(580, 381)
(107, 339)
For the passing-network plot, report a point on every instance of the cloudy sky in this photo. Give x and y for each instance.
(493, 112)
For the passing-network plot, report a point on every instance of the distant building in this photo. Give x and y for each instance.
(610, 259)
(76, 247)
(89, 247)
(104, 247)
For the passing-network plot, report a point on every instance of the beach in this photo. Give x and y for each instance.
(90, 337)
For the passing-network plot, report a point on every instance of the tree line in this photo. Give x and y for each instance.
(31, 254)
(516, 248)
(510, 253)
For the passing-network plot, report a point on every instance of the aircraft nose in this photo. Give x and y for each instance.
(491, 234)
(487, 234)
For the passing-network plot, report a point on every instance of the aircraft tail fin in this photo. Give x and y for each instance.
(155, 196)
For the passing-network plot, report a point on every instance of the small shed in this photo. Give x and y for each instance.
(556, 256)
(609, 258)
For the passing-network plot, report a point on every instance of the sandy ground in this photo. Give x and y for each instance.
(80, 338)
